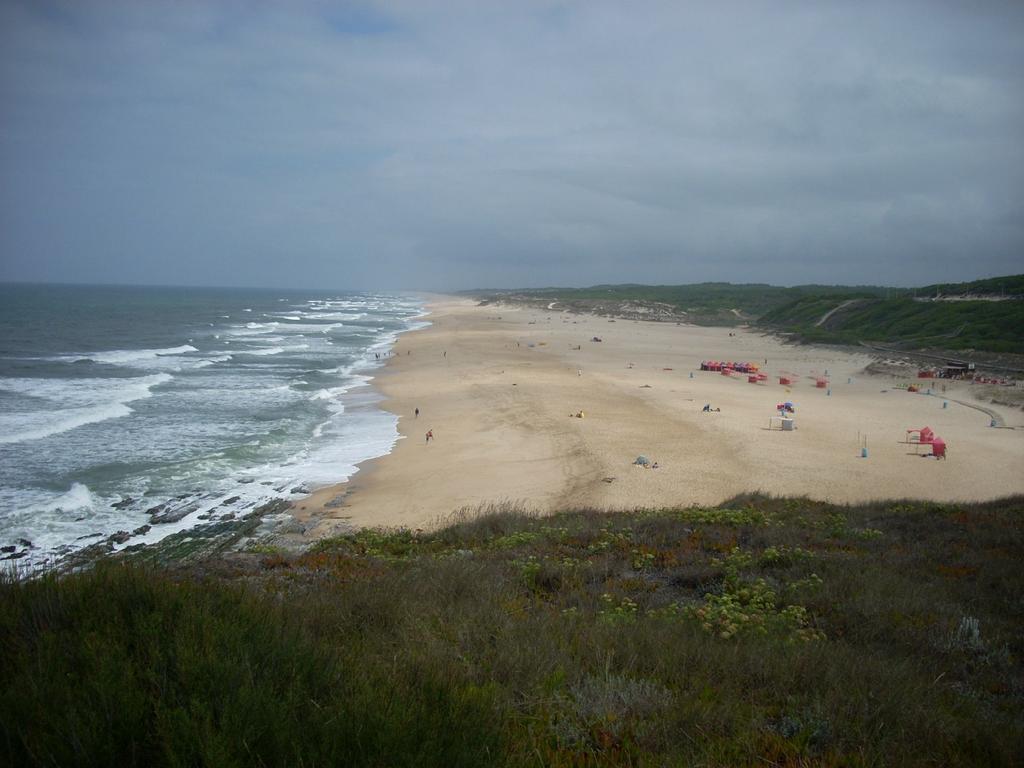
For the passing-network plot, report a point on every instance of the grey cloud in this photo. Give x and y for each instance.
(448, 145)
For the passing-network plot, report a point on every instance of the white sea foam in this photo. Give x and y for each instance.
(189, 437)
(76, 498)
(71, 403)
(328, 394)
(334, 315)
(262, 351)
(129, 357)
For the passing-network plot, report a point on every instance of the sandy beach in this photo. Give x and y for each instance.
(497, 384)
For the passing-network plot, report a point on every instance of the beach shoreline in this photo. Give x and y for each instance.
(500, 385)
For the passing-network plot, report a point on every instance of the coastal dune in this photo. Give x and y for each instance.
(499, 387)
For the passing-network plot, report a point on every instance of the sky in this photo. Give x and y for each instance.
(455, 145)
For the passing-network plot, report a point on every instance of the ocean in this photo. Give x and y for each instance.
(128, 407)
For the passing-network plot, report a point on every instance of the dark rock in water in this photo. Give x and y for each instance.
(127, 501)
(15, 556)
(80, 519)
(228, 516)
(205, 516)
(229, 502)
(89, 536)
(141, 530)
(8, 548)
(120, 537)
(247, 480)
(182, 496)
(301, 489)
(26, 543)
(164, 514)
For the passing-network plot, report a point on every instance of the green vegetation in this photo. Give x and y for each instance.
(766, 632)
(994, 326)
(862, 313)
(1010, 285)
(701, 303)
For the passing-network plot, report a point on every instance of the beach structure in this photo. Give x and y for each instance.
(956, 369)
(821, 382)
(938, 447)
(924, 435)
(781, 422)
(719, 365)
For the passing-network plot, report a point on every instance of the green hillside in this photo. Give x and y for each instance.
(701, 303)
(985, 315)
(766, 632)
(1009, 286)
(992, 326)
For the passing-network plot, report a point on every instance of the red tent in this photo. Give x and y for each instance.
(938, 447)
(923, 435)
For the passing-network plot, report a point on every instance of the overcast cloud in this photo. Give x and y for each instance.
(452, 145)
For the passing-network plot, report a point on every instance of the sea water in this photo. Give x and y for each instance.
(170, 407)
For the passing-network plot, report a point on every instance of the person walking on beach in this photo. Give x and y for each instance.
(417, 413)
(430, 435)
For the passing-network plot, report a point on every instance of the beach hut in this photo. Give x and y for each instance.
(820, 382)
(938, 447)
(752, 379)
(785, 381)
